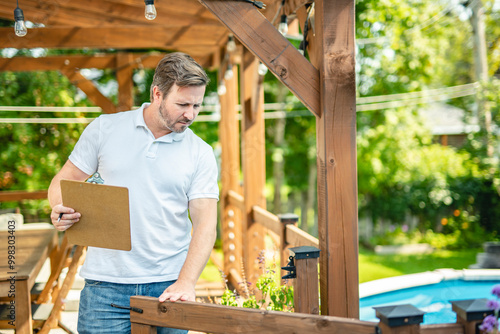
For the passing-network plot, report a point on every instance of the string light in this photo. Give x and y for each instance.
(229, 72)
(150, 12)
(221, 89)
(262, 69)
(19, 25)
(231, 44)
(283, 26)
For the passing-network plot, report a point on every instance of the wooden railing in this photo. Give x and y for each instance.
(19, 195)
(148, 312)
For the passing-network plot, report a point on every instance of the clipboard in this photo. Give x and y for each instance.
(105, 220)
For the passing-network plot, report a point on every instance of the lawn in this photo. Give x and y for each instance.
(373, 266)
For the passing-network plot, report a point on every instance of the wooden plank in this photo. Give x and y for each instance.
(455, 328)
(90, 90)
(306, 294)
(213, 318)
(236, 199)
(106, 13)
(142, 329)
(229, 134)
(124, 73)
(336, 159)
(67, 284)
(297, 237)
(263, 40)
(145, 60)
(266, 219)
(253, 159)
(23, 320)
(19, 195)
(120, 37)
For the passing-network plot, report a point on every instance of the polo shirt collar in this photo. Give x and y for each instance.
(139, 122)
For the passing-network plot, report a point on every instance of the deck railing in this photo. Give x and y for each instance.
(147, 312)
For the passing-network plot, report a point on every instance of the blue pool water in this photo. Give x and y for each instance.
(433, 299)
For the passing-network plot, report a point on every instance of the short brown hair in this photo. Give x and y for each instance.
(180, 69)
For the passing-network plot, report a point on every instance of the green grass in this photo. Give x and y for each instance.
(373, 266)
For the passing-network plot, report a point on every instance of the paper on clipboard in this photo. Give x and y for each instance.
(105, 220)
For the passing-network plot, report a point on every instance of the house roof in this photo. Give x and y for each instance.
(445, 119)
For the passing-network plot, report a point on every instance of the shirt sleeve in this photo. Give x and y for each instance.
(85, 155)
(204, 183)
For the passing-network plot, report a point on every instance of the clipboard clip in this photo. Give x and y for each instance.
(95, 178)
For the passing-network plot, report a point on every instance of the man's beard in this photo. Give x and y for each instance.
(169, 123)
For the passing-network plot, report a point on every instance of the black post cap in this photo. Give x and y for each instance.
(305, 252)
(399, 315)
(288, 218)
(471, 309)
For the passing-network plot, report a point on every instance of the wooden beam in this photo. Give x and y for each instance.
(19, 195)
(120, 37)
(336, 159)
(263, 40)
(124, 73)
(297, 237)
(267, 219)
(253, 164)
(19, 64)
(236, 199)
(90, 90)
(212, 318)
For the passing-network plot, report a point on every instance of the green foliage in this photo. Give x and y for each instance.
(270, 295)
(32, 153)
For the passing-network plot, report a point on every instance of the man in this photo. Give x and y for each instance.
(168, 171)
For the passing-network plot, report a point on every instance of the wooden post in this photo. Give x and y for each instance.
(306, 293)
(229, 135)
(124, 72)
(137, 328)
(336, 158)
(253, 162)
(399, 319)
(285, 219)
(470, 313)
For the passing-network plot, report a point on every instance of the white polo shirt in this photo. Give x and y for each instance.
(162, 176)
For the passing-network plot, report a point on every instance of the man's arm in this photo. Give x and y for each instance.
(68, 172)
(203, 214)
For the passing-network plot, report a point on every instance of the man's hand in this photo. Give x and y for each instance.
(67, 220)
(180, 290)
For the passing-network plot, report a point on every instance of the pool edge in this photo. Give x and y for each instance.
(425, 278)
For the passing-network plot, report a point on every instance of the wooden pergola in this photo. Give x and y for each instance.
(325, 85)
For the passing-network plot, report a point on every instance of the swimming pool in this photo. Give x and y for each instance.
(430, 292)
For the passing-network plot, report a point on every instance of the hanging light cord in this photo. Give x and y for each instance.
(258, 4)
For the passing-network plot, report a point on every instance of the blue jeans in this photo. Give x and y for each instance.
(97, 316)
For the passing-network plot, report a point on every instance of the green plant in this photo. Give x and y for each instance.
(268, 294)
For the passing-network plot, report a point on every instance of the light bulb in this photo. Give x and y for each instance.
(221, 90)
(283, 26)
(150, 12)
(262, 69)
(231, 44)
(19, 26)
(229, 73)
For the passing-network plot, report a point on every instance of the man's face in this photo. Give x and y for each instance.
(180, 106)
